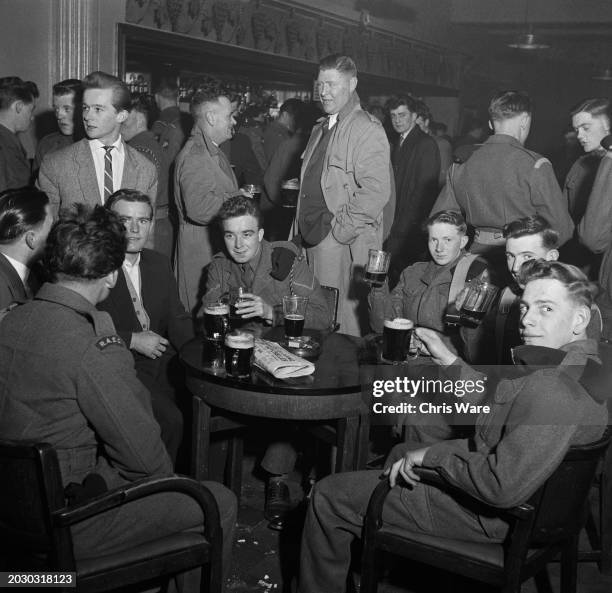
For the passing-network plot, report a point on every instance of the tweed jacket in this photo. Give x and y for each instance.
(68, 176)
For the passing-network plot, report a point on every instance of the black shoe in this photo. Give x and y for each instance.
(278, 501)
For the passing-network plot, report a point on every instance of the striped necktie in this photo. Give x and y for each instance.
(108, 172)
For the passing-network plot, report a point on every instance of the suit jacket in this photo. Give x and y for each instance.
(12, 289)
(416, 165)
(68, 176)
(166, 313)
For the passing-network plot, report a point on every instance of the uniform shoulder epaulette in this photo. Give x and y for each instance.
(541, 161)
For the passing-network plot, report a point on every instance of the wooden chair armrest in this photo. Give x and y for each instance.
(140, 489)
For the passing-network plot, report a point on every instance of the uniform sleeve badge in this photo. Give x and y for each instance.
(107, 341)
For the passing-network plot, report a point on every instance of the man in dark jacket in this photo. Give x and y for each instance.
(147, 312)
(416, 165)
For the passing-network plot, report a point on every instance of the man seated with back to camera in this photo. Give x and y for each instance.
(425, 289)
(148, 314)
(25, 221)
(67, 378)
(535, 415)
(267, 271)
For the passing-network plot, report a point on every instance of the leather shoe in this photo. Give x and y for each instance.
(278, 501)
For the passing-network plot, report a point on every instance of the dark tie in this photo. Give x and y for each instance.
(246, 276)
(108, 173)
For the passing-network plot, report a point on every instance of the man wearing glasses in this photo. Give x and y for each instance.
(147, 312)
(346, 182)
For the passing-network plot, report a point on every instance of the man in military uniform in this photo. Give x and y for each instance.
(503, 181)
(67, 378)
(267, 271)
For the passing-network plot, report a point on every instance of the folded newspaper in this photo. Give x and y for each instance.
(272, 357)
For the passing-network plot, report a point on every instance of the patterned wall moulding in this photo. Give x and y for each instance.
(298, 32)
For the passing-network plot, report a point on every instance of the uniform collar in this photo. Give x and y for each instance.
(502, 139)
(61, 295)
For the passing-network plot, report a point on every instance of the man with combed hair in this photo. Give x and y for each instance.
(89, 171)
(267, 272)
(535, 415)
(67, 378)
(17, 105)
(346, 183)
(67, 107)
(503, 181)
(148, 314)
(203, 180)
(25, 221)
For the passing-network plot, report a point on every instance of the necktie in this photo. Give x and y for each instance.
(108, 172)
(246, 276)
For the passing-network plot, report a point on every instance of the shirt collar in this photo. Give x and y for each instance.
(118, 144)
(129, 265)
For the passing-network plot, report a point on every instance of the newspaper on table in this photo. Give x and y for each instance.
(272, 357)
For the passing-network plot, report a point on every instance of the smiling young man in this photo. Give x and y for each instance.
(90, 170)
(543, 407)
(267, 272)
(345, 187)
(147, 312)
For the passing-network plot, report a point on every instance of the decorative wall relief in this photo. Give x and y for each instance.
(302, 33)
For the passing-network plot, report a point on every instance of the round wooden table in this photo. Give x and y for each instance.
(331, 395)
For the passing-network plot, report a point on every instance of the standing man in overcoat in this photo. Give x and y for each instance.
(346, 183)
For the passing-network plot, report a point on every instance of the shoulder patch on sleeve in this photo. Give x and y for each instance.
(107, 341)
(540, 162)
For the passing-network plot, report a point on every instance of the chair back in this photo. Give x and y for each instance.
(332, 295)
(30, 490)
(561, 502)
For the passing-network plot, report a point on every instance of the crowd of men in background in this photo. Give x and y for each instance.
(172, 188)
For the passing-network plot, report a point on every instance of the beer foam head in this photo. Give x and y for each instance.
(399, 323)
(216, 309)
(240, 340)
(291, 184)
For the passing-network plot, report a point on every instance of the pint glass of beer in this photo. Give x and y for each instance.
(294, 314)
(239, 349)
(377, 268)
(397, 334)
(254, 190)
(216, 320)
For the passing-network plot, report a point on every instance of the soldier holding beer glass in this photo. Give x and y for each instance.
(422, 293)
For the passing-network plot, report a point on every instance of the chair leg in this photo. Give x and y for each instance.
(370, 563)
(234, 465)
(605, 519)
(569, 566)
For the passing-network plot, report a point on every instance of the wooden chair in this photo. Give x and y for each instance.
(541, 528)
(332, 295)
(35, 526)
(599, 529)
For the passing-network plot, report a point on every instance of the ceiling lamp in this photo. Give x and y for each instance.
(528, 41)
(605, 74)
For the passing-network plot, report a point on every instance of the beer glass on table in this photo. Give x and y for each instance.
(239, 348)
(294, 314)
(377, 268)
(290, 188)
(216, 320)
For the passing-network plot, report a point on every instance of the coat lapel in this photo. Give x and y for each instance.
(130, 168)
(86, 173)
(15, 285)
